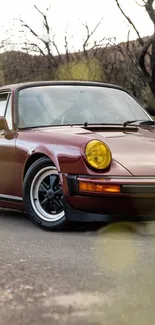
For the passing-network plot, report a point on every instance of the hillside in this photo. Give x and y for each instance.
(118, 64)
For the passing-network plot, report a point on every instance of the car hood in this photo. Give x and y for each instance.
(132, 147)
(134, 150)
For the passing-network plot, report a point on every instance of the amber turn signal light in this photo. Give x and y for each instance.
(99, 188)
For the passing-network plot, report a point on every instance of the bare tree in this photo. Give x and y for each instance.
(146, 57)
(44, 45)
(89, 34)
(47, 47)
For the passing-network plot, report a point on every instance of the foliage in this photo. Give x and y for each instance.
(85, 69)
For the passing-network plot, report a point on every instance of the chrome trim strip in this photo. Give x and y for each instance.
(130, 177)
(116, 177)
(6, 197)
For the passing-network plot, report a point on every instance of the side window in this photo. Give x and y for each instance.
(3, 102)
(8, 114)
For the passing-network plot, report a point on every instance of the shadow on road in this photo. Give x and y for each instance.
(16, 219)
(21, 220)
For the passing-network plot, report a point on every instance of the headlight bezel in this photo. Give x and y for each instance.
(109, 158)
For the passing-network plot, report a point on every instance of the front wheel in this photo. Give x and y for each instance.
(43, 195)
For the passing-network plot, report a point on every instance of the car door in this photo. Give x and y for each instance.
(7, 149)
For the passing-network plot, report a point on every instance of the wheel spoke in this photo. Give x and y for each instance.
(44, 203)
(57, 204)
(43, 187)
(53, 179)
(59, 192)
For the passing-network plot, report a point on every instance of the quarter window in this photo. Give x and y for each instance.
(8, 114)
(3, 103)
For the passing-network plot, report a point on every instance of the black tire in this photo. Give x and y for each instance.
(31, 207)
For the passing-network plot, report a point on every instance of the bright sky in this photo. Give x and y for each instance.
(72, 13)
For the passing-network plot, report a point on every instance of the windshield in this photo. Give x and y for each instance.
(63, 105)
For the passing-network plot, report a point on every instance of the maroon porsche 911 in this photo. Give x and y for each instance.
(76, 151)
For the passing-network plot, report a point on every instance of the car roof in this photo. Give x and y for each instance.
(19, 86)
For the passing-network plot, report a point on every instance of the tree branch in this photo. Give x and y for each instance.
(47, 27)
(46, 43)
(90, 34)
(45, 21)
(38, 48)
(66, 46)
(150, 10)
(28, 27)
(143, 54)
(56, 47)
(131, 23)
(140, 4)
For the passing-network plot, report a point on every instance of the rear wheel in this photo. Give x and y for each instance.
(43, 195)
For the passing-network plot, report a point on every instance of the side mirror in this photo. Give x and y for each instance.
(4, 126)
(2, 123)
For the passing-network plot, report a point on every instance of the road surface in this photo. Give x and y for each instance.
(102, 277)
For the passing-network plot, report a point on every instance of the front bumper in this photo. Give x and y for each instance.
(135, 202)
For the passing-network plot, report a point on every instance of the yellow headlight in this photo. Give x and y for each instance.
(98, 155)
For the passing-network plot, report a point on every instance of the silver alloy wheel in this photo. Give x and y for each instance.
(46, 195)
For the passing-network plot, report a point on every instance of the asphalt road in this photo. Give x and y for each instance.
(102, 277)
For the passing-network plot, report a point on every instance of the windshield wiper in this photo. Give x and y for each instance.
(147, 122)
(141, 122)
(86, 124)
(130, 122)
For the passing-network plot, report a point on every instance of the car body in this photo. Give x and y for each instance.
(45, 128)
